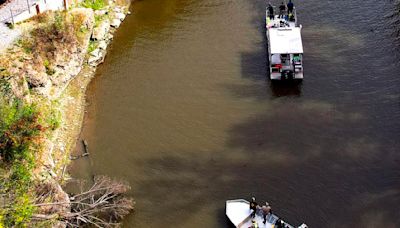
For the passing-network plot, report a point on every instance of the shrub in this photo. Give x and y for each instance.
(54, 119)
(94, 4)
(18, 128)
(59, 19)
(20, 213)
(5, 86)
(49, 69)
(78, 23)
(26, 44)
(19, 131)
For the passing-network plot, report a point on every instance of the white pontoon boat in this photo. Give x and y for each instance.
(239, 213)
(285, 48)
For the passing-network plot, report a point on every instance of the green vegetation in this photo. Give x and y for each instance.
(25, 44)
(18, 127)
(99, 18)
(22, 128)
(59, 19)
(94, 4)
(19, 134)
(49, 68)
(5, 86)
(92, 46)
(53, 119)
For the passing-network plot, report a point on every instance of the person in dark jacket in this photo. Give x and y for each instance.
(282, 10)
(253, 206)
(271, 11)
(290, 7)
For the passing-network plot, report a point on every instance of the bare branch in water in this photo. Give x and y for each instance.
(102, 205)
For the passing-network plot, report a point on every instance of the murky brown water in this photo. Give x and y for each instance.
(183, 110)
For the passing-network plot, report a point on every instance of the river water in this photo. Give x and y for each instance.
(182, 109)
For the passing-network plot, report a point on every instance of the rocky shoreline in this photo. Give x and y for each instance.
(73, 96)
(63, 80)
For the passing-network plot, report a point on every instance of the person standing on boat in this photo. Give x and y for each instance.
(253, 206)
(282, 10)
(266, 209)
(290, 7)
(270, 11)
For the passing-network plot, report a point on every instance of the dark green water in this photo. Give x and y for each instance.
(182, 109)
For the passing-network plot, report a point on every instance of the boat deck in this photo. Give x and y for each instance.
(271, 219)
(239, 212)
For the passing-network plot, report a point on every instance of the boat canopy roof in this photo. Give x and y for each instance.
(286, 40)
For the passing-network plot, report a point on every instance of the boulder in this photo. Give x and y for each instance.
(95, 53)
(110, 36)
(36, 79)
(100, 32)
(96, 57)
(20, 90)
(103, 45)
(44, 90)
(115, 23)
(117, 9)
(120, 16)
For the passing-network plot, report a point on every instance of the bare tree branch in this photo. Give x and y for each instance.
(100, 206)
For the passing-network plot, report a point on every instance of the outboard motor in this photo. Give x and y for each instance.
(287, 75)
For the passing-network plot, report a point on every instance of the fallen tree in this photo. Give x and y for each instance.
(102, 205)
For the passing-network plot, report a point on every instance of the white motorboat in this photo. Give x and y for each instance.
(239, 213)
(285, 48)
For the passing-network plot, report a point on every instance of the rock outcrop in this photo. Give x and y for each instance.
(102, 34)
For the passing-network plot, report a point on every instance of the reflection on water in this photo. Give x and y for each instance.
(183, 109)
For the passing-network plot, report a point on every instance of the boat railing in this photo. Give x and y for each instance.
(295, 15)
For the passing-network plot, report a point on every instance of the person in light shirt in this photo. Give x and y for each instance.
(266, 209)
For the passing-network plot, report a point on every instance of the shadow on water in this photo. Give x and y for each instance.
(314, 150)
(205, 183)
(286, 88)
(254, 64)
(341, 174)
